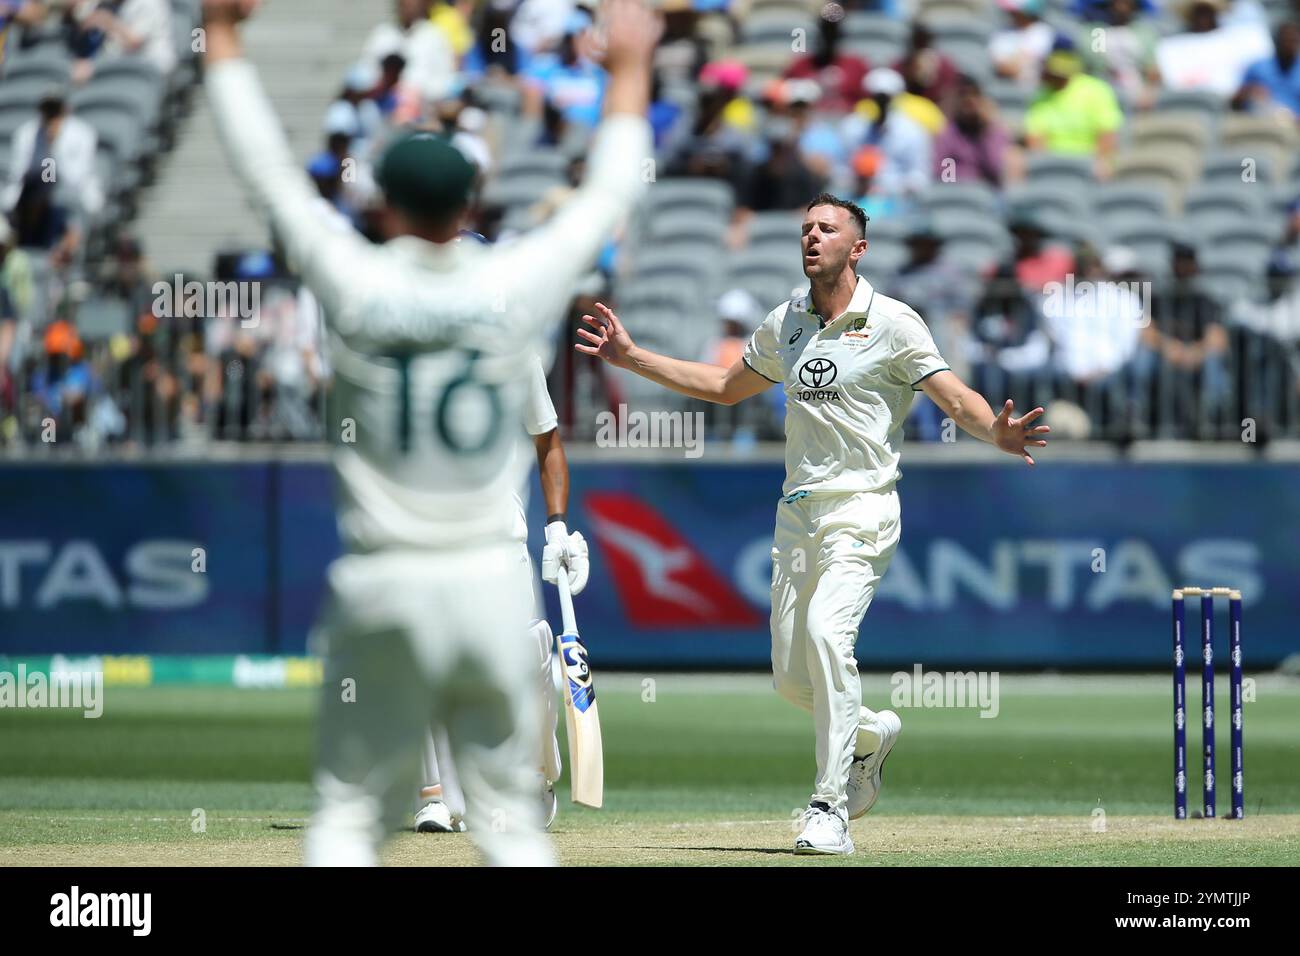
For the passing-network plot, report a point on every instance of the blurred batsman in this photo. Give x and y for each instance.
(431, 341)
(565, 552)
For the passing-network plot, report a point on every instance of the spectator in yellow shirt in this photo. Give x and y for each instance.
(452, 19)
(1074, 113)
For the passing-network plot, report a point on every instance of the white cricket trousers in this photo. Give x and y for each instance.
(414, 639)
(437, 767)
(828, 556)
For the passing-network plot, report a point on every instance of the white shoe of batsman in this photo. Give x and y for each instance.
(824, 832)
(864, 774)
(434, 817)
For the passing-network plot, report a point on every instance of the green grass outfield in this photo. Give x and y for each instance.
(700, 769)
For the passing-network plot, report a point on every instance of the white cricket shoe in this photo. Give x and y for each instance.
(864, 773)
(550, 803)
(434, 817)
(824, 832)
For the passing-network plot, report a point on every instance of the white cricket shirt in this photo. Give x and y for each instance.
(848, 387)
(432, 345)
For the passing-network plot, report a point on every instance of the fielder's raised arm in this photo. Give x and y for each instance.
(618, 164)
(255, 142)
(427, 185)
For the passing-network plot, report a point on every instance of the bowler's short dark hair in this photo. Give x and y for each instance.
(855, 211)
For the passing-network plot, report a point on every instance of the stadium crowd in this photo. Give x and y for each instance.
(1008, 154)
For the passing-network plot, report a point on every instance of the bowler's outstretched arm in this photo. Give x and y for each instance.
(968, 409)
(711, 383)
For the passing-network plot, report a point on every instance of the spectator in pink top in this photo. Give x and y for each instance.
(973, 146)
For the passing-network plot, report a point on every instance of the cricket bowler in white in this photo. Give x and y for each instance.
(431, 342)
(850, 361)
(565, 553)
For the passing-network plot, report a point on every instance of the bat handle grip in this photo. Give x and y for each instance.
(567, 617)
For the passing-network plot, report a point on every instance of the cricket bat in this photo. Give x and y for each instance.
(586, 756)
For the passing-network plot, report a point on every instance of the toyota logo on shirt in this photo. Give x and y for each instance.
(817, 373)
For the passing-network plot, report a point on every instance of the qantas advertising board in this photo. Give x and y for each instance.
(1062, 566)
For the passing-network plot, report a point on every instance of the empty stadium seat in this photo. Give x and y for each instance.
(765, 61)
(712, 195)
(1251, 240)
(1280, 202)
(27, 90)
(1047, 197)
(670, 264)
(928, 10)
(117, 129)
(1117, 199)
(770, 276)
(1159, 167)
(873, 26)
(1206, 105)
(539, 162)
(137, 91)
(975, 197)
(685, 225)
(884, 258)
(498, 97)
(519, 190)
(649, 295)
(48, 68)
(1244, 130)
(1219, 201)
(1071, 229)
(1229, 273)
(12, 117)
(973, 244)
(1065, 172)
(101, 318)
(954, 33)
(1233, 168)
(778, 24)
(1151, 240)
(893, 228)
(771, 291)
(1011, 98)
(1183, 130)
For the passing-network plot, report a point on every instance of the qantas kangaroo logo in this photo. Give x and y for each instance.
(662, 581)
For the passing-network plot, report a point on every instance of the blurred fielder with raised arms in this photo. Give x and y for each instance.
(849, 360)
(431, 342)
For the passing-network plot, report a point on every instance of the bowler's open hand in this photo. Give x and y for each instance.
(1014, 435)
(610, 341)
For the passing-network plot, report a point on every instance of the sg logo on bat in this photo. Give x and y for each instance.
(577, 671)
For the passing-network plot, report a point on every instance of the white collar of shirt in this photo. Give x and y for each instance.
(439, 256)
(859, 304)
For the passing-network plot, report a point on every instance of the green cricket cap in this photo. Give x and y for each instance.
(423, 174)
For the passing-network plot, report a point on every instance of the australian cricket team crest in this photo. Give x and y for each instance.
(857, 331)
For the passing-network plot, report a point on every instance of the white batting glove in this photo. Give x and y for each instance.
(568, 552)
